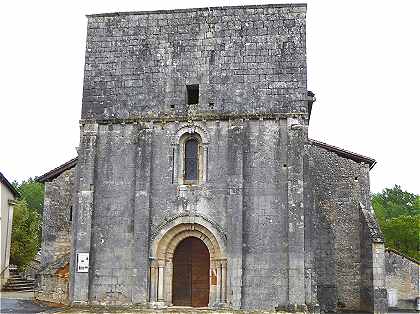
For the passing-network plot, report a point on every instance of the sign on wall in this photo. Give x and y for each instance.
(82, 262)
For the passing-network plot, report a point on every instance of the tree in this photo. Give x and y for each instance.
(398, 213)
(25, 234)
(402, 234)
(26, 230)
(33, 192)
(394, 202)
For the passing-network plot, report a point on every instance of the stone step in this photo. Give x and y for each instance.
(18, 289)
(19, 284)
(20, 279)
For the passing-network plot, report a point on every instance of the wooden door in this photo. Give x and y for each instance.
(190, 284)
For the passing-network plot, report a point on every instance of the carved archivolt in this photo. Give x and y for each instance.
(189, 128)
(167, 238)
(169, 234)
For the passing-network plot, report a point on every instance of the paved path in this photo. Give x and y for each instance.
(21, 303)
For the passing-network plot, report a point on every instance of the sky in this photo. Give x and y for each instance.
(363, 64)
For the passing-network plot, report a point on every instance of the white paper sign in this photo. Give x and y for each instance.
(82, 262)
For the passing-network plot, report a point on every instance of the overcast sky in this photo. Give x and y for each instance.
(363, 65)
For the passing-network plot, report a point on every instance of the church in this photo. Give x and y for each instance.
(196, 183)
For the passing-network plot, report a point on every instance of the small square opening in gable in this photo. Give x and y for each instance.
(193, 93)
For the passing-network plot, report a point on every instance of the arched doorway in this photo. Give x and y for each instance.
(162, 254)
(191, 267)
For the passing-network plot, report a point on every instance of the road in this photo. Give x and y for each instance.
(21, 303)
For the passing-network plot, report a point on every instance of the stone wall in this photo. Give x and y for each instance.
(53, 277)
(56, 220)
(337, 190)
(246, 60)
(287, 213)
(372, 264)
(54, 282)
(402, 280)
(248, 176)
(249, 59)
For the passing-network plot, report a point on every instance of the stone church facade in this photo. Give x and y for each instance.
(196, 183)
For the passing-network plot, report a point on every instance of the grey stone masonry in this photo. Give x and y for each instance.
(286, 220)
(56, 220)
(249, 59)
(345, 238)
(402, 280)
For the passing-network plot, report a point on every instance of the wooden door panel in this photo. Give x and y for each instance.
(181, 294)
(191, 273)
(200, 269)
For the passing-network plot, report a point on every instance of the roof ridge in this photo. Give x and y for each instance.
(345, 153)
(52, 174)
(10, 186)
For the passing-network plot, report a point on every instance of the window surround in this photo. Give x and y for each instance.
(184, 133)
(200, 164)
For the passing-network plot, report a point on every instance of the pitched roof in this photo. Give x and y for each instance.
(9, 185)
(51, 175)
(345, 153)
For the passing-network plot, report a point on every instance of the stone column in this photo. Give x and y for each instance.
(168, 282)
(142, 214)
(204, 163)
(153, 282)
(296, 251)
(175, 163)
(213, 284)
(161, 287)
(236, 133)
(219, 283)
(84, 206)
(224, 282)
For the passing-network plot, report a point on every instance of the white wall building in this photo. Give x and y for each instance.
(8, 194)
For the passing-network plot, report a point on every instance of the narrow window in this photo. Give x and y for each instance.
(191, 160)
(71, 213)
(193, 93)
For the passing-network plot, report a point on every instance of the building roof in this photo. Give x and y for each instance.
(345, 153)
(51, 175)
(9, 185)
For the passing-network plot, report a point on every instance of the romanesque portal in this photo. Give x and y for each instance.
(189, 266)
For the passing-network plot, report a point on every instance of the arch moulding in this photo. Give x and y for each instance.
(162, 251)
(189, 128)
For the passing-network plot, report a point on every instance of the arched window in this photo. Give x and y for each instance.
(191, 161)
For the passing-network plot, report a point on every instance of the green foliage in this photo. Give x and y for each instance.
(398, 213)
(33, 192)
(25, 234)
(394, 202)
(27, 217)
(402, 234)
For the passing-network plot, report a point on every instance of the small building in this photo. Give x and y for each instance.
(8, 194)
